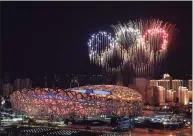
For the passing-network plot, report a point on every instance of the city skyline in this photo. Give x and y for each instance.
(43, 41)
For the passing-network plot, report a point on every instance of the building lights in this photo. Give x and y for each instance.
(60, 102)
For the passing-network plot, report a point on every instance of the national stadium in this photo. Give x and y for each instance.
(89, 101)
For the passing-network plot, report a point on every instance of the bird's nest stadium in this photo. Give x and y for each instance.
(92, 100)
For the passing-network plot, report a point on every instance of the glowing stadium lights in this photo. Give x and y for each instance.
(80, 100)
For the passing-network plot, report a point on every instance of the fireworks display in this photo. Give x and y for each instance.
(100, 46)
(138, 45)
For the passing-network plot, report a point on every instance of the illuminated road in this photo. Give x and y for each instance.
(135, 132)
(144, 132)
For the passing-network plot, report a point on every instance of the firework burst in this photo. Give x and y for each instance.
(138, 45)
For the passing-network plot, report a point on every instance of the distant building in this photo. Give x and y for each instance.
(1, 83)
(190, 85)
(89, 79)
(190, 96)
(7, 89)
(165, 83)
(142, 84)
(170, 95)
(173, 90)
(175, 87)
(155, 95)
(22, 83)
(74, 82)
(190, 90)
(56, 83)
(167, 77)
(153, 83)
(17, 84)
(26, 83)
(183, 95)
(45, 82)
(95, 79)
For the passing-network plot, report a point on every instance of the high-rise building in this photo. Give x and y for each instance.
(183, 95)
(175, 87)
(161, 95)
(26, 83)
(155, 95)
(190, 96)
(22, 83)
(170, 96)
(17, 84)
(7, 89)
(164, 83)
(166, 77)
(190, 90)
(174, 90)
(153, 83)
(176, 84)
(142, 84)
(190, 85)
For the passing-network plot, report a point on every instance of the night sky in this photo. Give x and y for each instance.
(43, 38)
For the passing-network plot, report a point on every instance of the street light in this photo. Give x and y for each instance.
(164, 123)
(2, 102)
(165, 108)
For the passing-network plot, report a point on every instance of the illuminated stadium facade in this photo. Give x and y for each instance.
(90, 100)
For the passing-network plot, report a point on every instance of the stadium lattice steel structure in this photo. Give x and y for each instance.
(82, 101)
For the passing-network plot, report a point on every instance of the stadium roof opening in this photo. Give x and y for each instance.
(90, 91)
